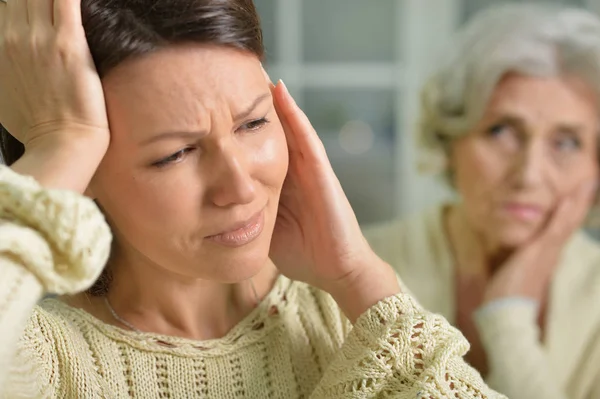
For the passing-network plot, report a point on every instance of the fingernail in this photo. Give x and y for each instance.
(267, 77)
(286, 91)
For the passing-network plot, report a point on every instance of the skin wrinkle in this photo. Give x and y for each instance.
(168, 277)
(521, 151)
(489, 172)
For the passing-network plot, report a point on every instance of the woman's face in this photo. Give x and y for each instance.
(536, 143)
(197, 159)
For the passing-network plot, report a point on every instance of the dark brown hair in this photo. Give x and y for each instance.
(118, 30)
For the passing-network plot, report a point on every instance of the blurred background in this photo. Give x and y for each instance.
(356, 68)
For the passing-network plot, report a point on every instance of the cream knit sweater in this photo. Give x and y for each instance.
(565, 366)
(295, 344)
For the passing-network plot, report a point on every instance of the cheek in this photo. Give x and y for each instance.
(271, 159)
(143, 204)
(568, 179)
(478, 172)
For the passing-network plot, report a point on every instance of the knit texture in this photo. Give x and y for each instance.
(563, 364)
(295, 344)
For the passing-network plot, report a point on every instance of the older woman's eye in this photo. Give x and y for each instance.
(504, 136)
(255, 124)
(568, 143)
(174, 158)
(498, 130)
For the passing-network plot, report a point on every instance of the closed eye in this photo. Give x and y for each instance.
(174, 158)
(254, 125)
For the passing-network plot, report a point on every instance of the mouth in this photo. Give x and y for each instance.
(242, 233)
(523, 212)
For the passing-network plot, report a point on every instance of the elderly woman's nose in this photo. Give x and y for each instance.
(232, 181)
(530, 165)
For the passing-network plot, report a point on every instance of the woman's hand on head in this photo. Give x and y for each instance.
(51, 97)
(317, 237)
(529, 271)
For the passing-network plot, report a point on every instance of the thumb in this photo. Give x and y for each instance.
(568, 216)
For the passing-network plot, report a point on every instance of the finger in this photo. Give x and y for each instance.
(581, 201)
(570, 213)
(584, 199)
(17, 17)
(3, 6)
(302, 137)
(67, 14)
(557, 226)
(40, 13)
(281, 113)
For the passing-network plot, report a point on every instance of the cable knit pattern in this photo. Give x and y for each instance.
(77, 239)
(565, 364)
(394, 356)
(296, 344)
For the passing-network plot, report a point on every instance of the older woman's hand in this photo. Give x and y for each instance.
(51, 97)
(529, 271)
(317, 238)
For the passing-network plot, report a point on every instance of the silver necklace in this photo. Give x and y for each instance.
(137, 330)
(118, 318)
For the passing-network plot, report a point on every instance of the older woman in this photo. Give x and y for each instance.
(515, 114)
(193, 302)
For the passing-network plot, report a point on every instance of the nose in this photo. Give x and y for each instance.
(232, 182)
(530, 165)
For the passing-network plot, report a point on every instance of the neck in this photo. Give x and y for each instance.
(154, 299)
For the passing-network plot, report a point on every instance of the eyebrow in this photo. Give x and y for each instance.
(195, 134)
(519, 122)
(245, 113)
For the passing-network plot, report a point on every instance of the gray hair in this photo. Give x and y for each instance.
(531, 39)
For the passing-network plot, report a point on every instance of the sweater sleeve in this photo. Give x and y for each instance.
(511, 337)
(50, 242)
(398, 350)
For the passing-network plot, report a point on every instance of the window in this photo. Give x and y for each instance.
(356, 67)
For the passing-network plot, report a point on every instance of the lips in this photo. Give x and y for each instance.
(241, 233)
(524, 212)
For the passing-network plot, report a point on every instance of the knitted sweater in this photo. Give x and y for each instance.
(295, 344)
(566, 364)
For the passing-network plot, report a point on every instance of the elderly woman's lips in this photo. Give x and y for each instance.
(243, 235)
(524, 212)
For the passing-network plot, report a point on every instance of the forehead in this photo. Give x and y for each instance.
(180, 83)
(544, 97)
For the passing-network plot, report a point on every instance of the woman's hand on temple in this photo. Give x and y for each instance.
(528, 272)
(51, 97)
(317, 238)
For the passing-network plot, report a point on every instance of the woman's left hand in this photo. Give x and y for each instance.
(317, 237)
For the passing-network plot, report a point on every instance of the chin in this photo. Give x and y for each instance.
(514, 236)
(234, 265)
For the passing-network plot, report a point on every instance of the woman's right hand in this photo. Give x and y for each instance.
(529, 271)
(51, 97)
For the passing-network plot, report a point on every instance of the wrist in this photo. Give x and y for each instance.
(374, 281)
(505, 321)
(501, 292)
(67, 163)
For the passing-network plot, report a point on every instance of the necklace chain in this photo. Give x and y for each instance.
(118, 318)
(137, 330)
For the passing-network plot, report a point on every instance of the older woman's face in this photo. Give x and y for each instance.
(536, 143)
(197, 159)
